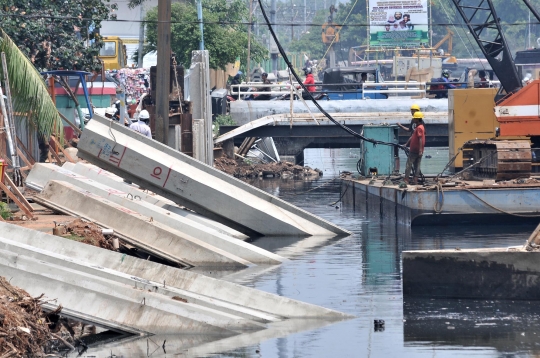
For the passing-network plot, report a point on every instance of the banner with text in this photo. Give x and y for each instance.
(398, 23)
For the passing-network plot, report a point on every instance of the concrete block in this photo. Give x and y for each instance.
(492, 274)
(142, 231)
(194, 184)
(41, 173)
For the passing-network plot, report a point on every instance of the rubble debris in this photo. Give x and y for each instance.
(89, 233)
(24, 327)
(245, 168)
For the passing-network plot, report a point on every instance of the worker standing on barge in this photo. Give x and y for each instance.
(416, 142)
(414, 108)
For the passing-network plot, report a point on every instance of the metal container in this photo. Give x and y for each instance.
(379, 159)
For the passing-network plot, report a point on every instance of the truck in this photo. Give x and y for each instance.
(113, 53)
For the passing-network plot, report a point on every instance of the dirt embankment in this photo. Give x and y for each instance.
(243, 169)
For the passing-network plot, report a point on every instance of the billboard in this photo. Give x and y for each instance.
(398, 23)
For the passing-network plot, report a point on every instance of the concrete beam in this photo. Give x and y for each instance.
(134, 306)
(141, 231)
(41, 173)
(171, 277)
(194, 184)
(111, 180)
(45, 256)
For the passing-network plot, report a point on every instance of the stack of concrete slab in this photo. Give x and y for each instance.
(195, 185)
(152, 228)
(132, 295)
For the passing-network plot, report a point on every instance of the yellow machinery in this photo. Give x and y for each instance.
(471, 118)
(113, 53)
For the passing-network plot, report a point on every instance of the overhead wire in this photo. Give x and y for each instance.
(310, 97)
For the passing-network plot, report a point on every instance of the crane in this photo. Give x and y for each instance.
(517, 107)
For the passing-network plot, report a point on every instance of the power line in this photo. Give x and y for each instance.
(297, 24)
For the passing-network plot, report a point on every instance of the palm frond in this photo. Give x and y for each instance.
(28, 90)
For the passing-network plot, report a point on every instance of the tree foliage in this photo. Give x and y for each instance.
(56, 34)
(28, 90)
(225, 32)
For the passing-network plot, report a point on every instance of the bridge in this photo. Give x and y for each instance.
(293, 133)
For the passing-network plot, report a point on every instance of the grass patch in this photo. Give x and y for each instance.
(222, 120)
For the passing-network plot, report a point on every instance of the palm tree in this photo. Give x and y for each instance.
(28, 90)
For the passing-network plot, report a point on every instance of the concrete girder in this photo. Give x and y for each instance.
(170, 276)
(111, 180)
(141, 231)
(41, 173)
(194, 184)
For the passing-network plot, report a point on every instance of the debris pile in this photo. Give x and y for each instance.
(89, 233)
(244, 168)
(24, 330)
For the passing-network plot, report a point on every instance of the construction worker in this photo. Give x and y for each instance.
(414, 108)
(416, 144)
(141, 125)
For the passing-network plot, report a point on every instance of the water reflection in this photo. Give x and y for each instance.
(361, 275)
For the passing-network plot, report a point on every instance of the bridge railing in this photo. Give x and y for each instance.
(392, 88)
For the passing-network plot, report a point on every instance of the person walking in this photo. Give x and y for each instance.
(416, 145)
(141, 125)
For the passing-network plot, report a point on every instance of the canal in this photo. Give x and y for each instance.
(361, 275)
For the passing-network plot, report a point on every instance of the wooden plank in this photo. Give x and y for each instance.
(16, 200)
(75, 128)
(28, 154)
(16, 191)
(23, 157)
(56, 157)
(66, 155)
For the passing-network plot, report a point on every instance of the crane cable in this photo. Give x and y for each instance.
(326, 114)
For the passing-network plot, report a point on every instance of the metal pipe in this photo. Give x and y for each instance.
(8, 117)
(14, 157)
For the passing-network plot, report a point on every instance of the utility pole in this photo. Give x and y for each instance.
(163, 75)
(141, 38)
(248, 74)
(201, 28)
(273, 21)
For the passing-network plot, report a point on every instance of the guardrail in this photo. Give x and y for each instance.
(393, 88)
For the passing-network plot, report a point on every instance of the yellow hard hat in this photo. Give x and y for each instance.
(415, 106)
(418, 115)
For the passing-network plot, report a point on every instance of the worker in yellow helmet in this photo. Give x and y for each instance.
(414, 108)
(417, 143)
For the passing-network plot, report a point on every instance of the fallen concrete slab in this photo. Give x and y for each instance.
(42, 173)
(111, 180)
(126, 305)
(139, 230)
(196, 300)
(171, 277)
(194, 184)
